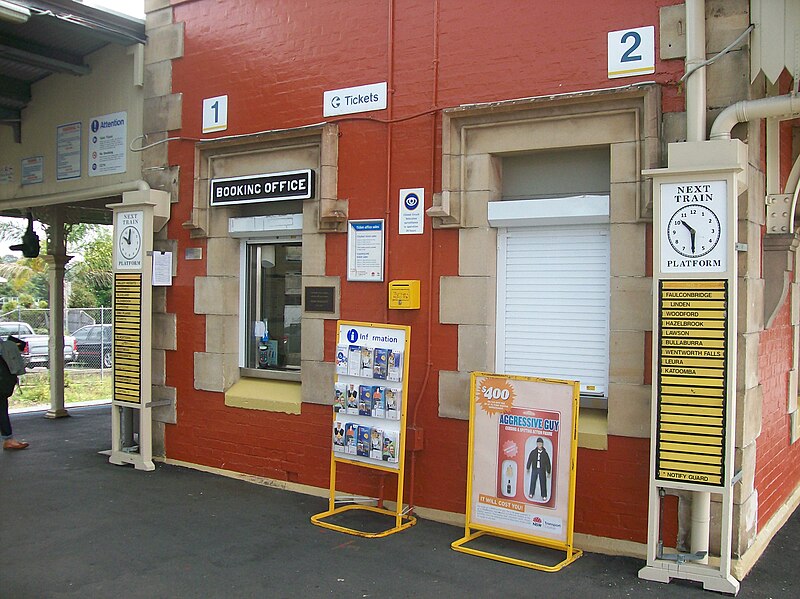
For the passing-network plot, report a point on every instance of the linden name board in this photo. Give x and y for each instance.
(270, 187)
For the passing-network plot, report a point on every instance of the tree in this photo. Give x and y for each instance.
(90, 272)
(82, 297)
(93, 273)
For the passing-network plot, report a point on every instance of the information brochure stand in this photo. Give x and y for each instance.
(369, 413)
(523, 447)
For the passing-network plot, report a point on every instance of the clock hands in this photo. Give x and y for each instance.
(128, 238)
(692, 232)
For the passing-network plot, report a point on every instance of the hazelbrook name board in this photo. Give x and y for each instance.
(269, 187)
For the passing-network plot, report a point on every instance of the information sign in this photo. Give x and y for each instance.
(6, 173)
(32, 170)
(365, 243)
(108, 144)
(412, 211)
(692, 388)
(68, 151)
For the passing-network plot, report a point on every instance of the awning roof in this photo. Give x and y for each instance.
(38, 38)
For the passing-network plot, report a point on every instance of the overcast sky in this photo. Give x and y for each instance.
(134, 8)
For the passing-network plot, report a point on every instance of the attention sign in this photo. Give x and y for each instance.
(291, 185)
(127, 337)
(692, 364)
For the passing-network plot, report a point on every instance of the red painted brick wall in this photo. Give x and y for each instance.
(274, 60)
(777, 462)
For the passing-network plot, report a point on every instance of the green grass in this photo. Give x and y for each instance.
(34, 388)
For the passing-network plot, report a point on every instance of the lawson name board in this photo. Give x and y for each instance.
(269, 187)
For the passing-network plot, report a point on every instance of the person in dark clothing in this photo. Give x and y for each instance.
(539, 465)
(9, 351)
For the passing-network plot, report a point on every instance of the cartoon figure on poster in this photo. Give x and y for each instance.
(538, 469)
(527, 455)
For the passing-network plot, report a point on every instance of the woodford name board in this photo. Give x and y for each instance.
(270, 187)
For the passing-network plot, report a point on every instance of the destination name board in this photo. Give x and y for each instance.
(127, 337)
(692, 381)
(270, 187)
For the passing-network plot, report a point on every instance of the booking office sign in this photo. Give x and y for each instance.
(521, 469)
(694, 345)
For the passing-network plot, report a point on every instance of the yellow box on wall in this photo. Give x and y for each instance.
(404, 295)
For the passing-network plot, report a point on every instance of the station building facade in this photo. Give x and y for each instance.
(504, 118)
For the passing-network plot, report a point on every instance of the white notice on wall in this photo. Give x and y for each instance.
(6, 173)
(365, 250)
(162, 269)
(107, 144)
(68, 151)
(32, 170)
(412, 211)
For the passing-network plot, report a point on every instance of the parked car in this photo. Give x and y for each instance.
(94, 345)
(37, 353)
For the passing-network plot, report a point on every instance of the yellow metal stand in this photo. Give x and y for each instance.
(401, 520)
(473, 531)
(459, 545)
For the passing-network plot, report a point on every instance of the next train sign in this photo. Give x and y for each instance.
(269, 187)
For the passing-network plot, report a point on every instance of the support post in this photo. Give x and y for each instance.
(56, 261)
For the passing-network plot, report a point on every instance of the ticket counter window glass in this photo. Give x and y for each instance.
(273, 306)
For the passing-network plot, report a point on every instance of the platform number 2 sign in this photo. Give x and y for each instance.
(215, 114)
(631, 52)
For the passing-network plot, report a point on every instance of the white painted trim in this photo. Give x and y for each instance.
(574, 210)
(265, 226)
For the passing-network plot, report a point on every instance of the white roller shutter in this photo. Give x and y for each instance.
(553, 303)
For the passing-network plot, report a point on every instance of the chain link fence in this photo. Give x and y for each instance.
(86, 324)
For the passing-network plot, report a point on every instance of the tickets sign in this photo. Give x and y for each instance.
(692, 366)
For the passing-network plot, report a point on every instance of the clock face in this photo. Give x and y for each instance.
(130, 242)
(694, 230)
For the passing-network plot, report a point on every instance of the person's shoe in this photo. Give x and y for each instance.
(14, 444)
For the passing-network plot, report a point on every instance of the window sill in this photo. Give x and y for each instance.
(270, 395)
(275, 375)
(593, 429)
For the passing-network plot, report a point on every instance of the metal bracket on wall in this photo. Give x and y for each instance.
(779, 213)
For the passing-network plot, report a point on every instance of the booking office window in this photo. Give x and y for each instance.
(271, 284)
(273, 304)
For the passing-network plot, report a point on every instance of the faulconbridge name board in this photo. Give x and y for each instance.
(692, 366)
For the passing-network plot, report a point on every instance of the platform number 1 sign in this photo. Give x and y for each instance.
(631, 52)
(215, 114)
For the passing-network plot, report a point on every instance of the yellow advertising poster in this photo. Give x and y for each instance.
(522, 456)
(692, 381)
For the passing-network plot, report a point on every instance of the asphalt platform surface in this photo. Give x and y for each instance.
(72, 525)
